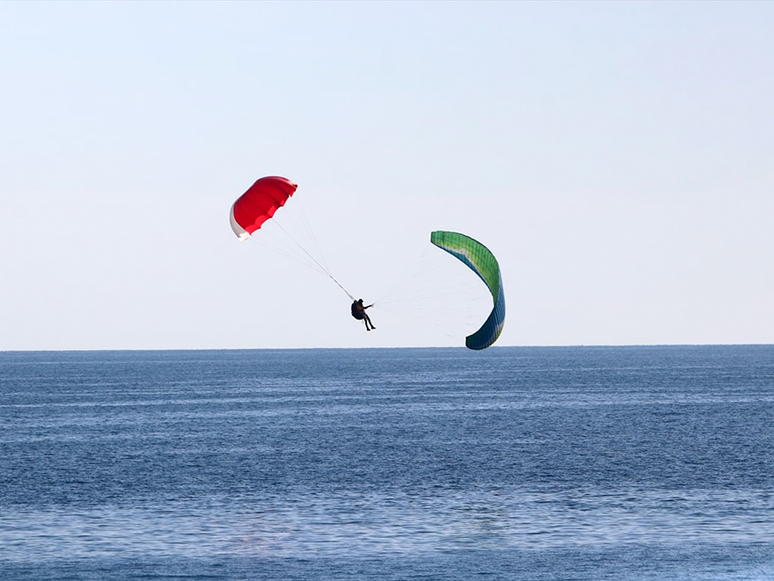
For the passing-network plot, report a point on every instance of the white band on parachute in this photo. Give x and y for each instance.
(241, 233)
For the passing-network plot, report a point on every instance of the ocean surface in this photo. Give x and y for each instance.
(582, 463)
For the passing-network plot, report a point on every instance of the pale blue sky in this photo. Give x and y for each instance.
(616, 157)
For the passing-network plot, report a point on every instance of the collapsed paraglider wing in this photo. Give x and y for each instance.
(484, 264)
(259, 203)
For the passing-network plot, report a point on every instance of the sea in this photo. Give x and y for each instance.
(524, 463)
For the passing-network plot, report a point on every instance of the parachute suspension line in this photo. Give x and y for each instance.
(317, 247)
(310, 232)
(341, 287)
(419, 283)
(276, 248)
(304, 250)
(317, 262)
(409, 275)
(277, 242)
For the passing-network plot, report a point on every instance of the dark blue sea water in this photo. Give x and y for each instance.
(630, 463)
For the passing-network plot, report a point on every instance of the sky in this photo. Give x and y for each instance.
(615, 157)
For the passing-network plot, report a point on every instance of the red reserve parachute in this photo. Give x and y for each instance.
(259, 203)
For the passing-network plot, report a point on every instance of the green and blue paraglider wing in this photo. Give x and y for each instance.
(484, 264)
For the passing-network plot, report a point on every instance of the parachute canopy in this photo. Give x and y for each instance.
(484, 264)
(259, 203)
